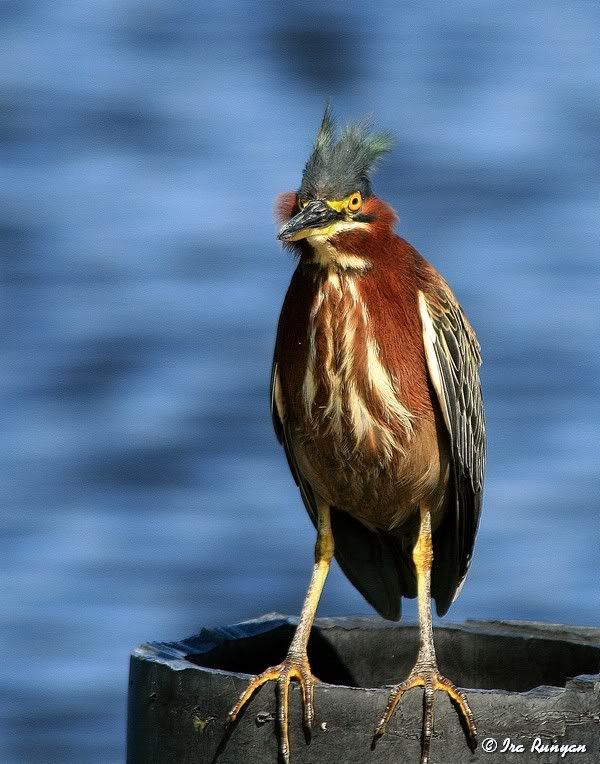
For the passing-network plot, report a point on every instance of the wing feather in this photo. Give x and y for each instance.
(453, 360)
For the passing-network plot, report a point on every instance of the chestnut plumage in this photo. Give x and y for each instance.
(375, 554)
(375, 397)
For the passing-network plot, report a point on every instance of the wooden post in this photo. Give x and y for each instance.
(531, 686)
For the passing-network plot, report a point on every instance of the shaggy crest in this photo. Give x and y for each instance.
(336, 168)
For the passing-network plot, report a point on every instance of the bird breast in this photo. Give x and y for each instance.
(348, 395)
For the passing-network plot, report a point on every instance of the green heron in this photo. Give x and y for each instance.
(375, 396)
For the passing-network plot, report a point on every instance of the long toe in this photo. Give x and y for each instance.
(462, 704)
(393, 700)
(292, 668)
(430, 680)
(428, 712)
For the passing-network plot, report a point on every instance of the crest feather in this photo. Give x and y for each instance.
(339, 167)
(324, 137)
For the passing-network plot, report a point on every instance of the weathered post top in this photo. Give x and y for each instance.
(535, 692)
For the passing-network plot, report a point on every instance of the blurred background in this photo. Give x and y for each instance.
(143, 494)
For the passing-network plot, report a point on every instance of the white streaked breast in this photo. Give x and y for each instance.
(339, 309)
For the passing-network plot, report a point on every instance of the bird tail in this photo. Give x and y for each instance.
(375, 562)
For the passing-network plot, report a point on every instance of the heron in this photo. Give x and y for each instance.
(376, 399)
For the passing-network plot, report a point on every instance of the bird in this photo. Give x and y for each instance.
(376, 399)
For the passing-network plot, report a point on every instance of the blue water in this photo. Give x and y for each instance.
(142, 143)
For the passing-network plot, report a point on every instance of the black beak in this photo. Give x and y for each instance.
(316, 214)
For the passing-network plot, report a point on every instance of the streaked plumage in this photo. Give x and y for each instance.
(383, 450)
(375, 397)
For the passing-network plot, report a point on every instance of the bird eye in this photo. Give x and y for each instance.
(355, 202)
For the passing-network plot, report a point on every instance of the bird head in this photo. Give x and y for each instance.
(335, 205)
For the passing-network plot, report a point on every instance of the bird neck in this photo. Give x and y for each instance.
(325, 255)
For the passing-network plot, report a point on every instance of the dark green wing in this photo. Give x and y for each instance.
(453, 360)
(374, 562)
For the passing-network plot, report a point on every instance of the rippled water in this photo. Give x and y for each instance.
(143, 493)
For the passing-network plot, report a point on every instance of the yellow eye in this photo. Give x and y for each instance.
(355, 202)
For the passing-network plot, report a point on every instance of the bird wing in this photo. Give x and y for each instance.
(453, 361)
(281, 427)
(373, 562)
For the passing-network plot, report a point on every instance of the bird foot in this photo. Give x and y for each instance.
(431, 680)
(293, 667)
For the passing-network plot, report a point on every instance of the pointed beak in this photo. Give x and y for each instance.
(315, 215)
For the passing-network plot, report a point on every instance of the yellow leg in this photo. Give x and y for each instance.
(296, 665)
(425, 671)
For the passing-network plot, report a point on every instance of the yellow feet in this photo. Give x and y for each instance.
(293, 667)
(431, 680)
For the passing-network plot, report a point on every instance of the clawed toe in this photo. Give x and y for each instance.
(292, 668)
(430, 680)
